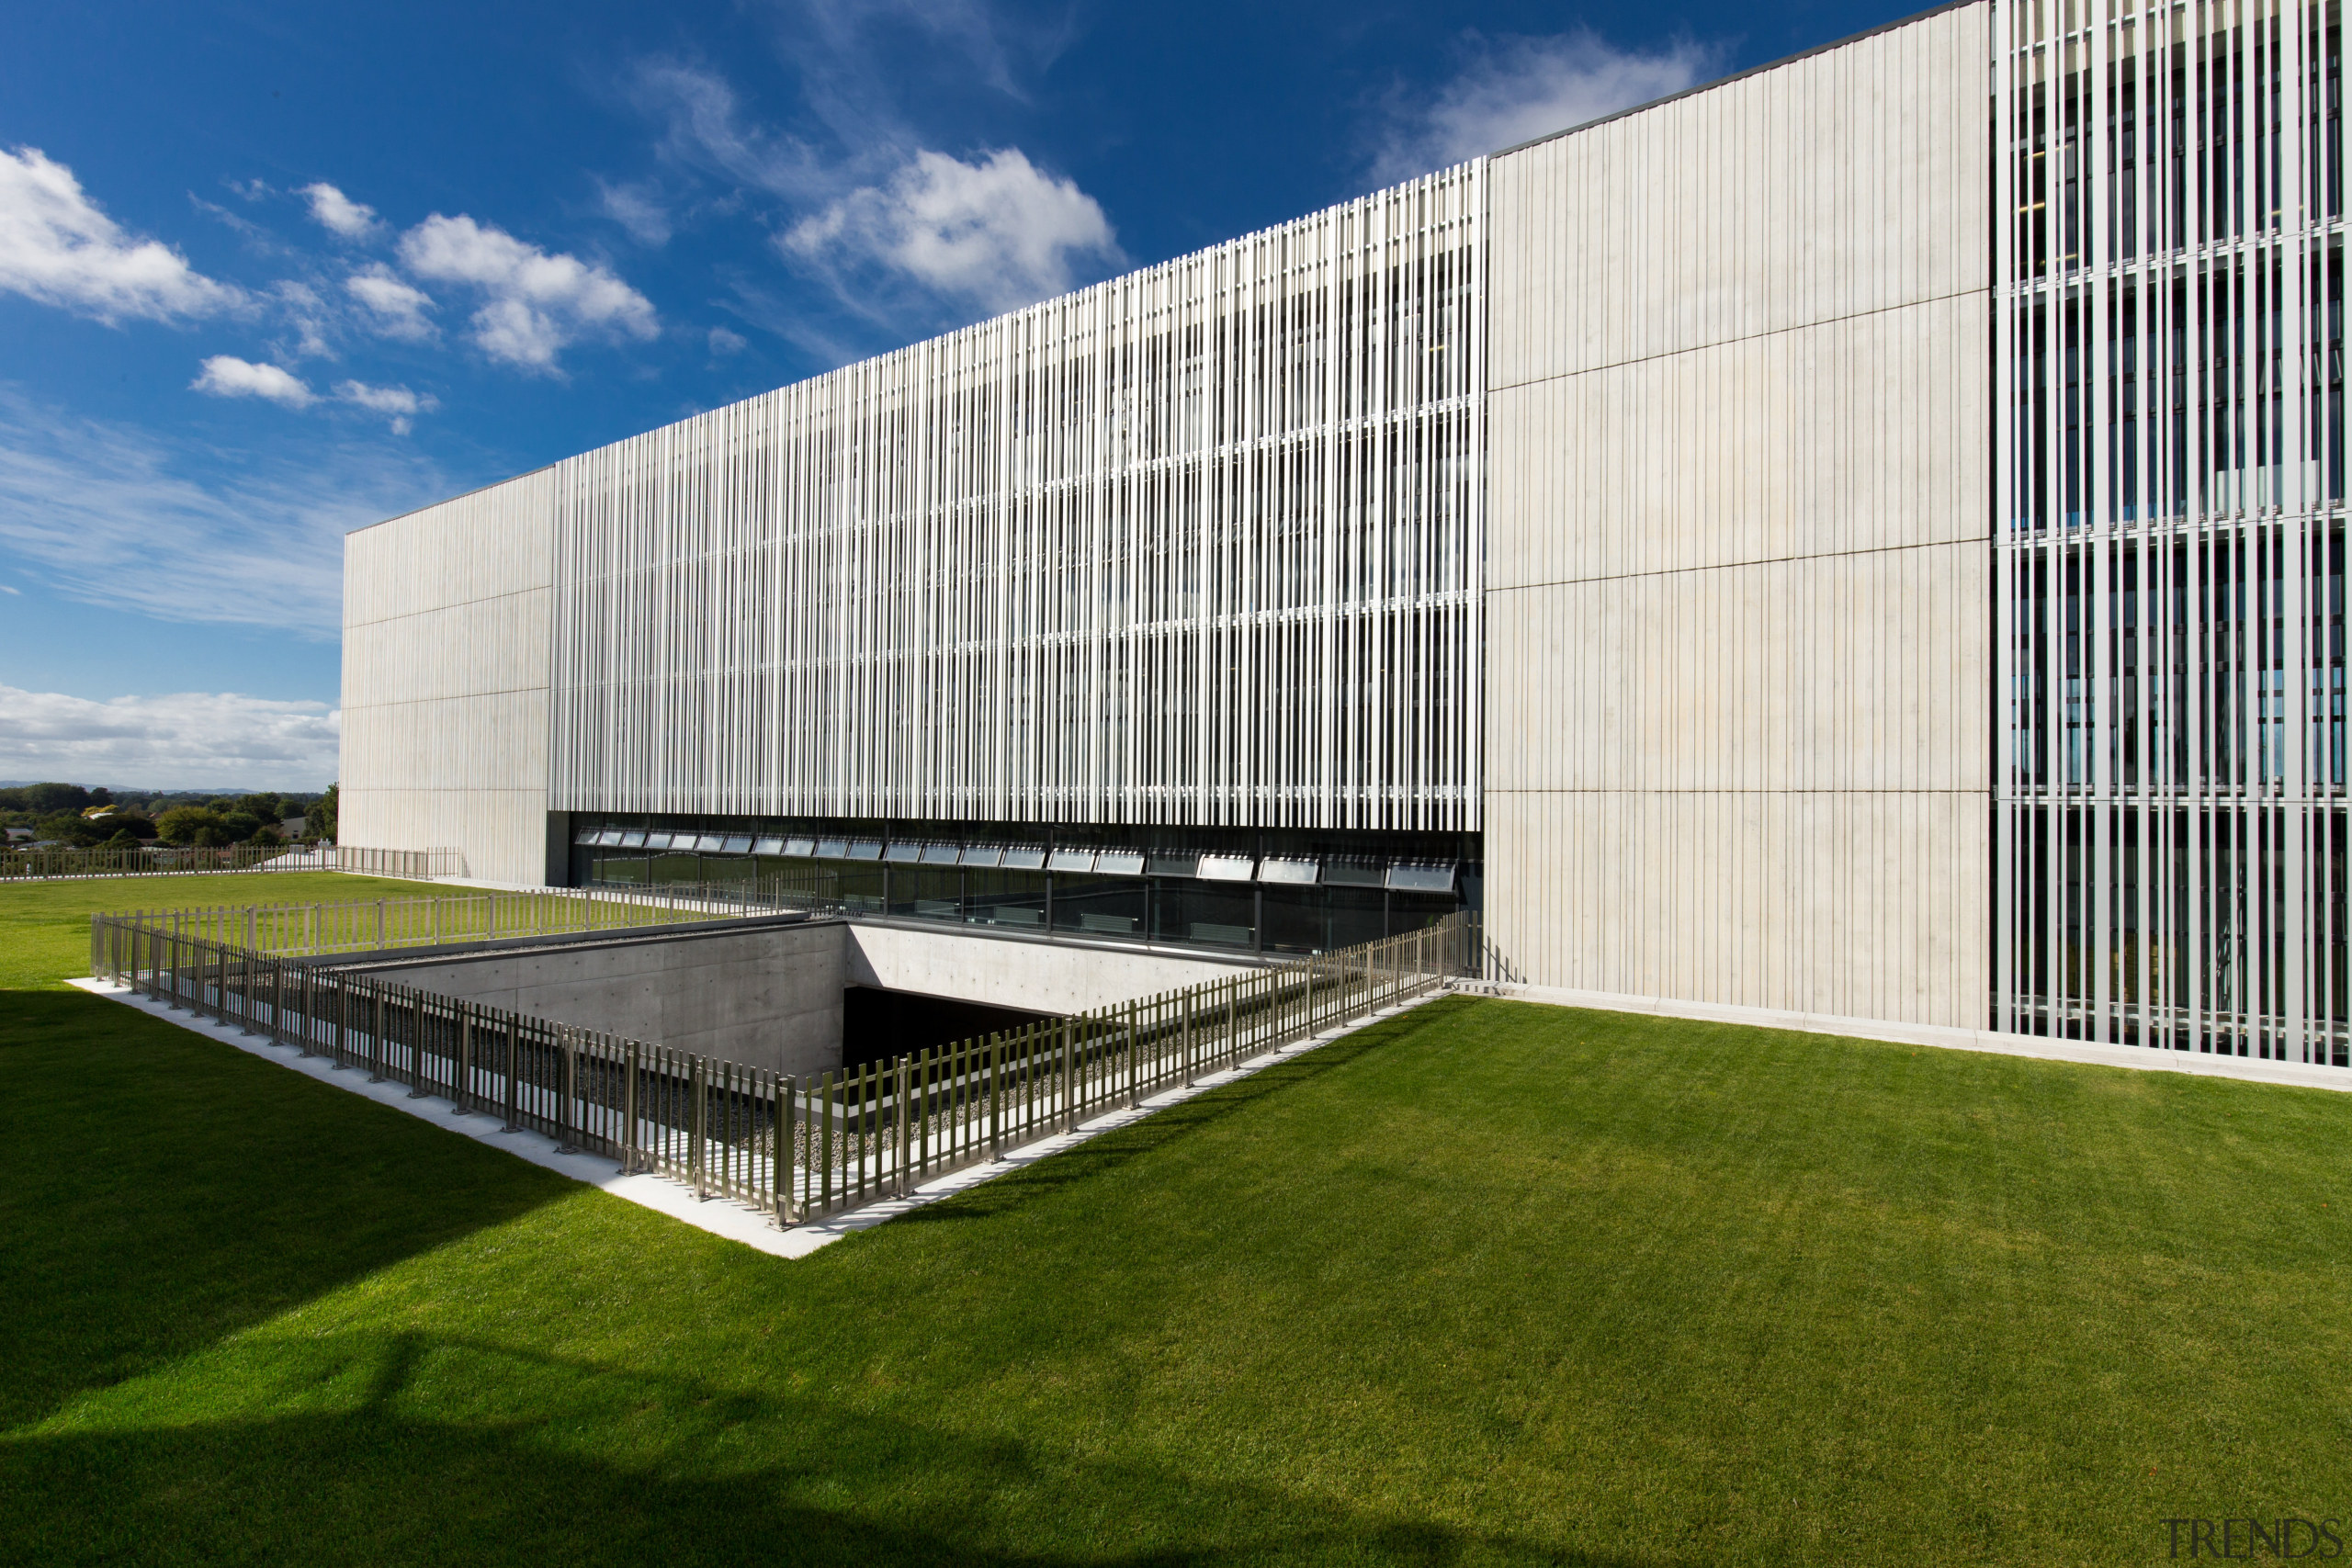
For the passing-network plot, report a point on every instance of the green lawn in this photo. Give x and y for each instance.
(1490, 1282)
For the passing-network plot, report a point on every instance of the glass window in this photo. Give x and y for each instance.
(1101, 906)
(1412, 912)
(927, 895)
(1015, 898)
(859, 888)
(1205, 916)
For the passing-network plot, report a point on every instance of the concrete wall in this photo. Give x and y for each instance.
(1737, 695)
(1038, 977)
(769, 997)
(445, 682)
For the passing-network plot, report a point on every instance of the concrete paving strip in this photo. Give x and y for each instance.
(752, 1227)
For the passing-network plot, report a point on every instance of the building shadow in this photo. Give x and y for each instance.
(158, 1191)
(458, 1452)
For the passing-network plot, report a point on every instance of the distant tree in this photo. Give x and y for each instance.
(192, 825)
(321, 817)
(124, 839)
(100, 797)
(240, 825)
(262, 807)
(45, 799)
(269, 838)
(138, 826)
(71, 828)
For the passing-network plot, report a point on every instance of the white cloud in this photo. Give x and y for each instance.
(536, 304)
(57, 248)
(226, 375)
(1001, 231)
(338, 214)
(639, 209)
(723, 342)
(705, 131)
(307, 313)
(397, 401)
(395, 308)
(184, 740)
(112, 515)
(1516, 89)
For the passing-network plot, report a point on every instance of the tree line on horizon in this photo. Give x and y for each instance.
(79, 815)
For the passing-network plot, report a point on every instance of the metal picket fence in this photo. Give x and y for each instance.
(56, 864)
(846, 1138)
(377, 925)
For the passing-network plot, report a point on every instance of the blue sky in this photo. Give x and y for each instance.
(270, 273)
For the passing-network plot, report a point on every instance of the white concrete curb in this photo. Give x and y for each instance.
(752, 1227)
(2303, 1075)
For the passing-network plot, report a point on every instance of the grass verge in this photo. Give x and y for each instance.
(1489, 1282)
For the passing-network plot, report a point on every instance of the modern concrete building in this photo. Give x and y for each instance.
(1860, 539)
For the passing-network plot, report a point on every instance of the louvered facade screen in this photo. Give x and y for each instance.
(1197, 546)
(2170, 829)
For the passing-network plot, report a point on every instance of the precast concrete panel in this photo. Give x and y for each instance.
(447, 633)
(1737, 748)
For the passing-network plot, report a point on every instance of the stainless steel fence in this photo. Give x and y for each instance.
(372, 925)
(846, 1138)
(103, 861)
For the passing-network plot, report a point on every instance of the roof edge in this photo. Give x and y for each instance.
(1739, 75)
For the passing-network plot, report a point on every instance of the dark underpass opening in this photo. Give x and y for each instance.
(878, 1024)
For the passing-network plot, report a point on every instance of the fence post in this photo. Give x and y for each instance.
(824, 1172)
(698, 1084)
(379, 924)
(565, 1091)
(781, 1146)
(1188, 1037)
(1070, 1074)
(375, 1034)
(1134, 1067)
(995, 1070)
(461, 1091)
(899, 1128)
(628, 1107)
(417, 1080)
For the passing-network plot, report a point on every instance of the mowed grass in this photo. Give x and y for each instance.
(1486, 1283)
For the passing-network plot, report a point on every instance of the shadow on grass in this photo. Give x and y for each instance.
(159, 1190)
(1111, 1151)
(453, 1451)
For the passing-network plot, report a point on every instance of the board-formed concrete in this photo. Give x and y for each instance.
(766, 996)
(769, 993)
(1738, 615)
(1010, 972)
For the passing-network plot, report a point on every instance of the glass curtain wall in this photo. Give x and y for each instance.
(1249, 891)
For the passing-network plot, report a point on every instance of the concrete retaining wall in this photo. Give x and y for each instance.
(1035, 976)
(769, 996)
